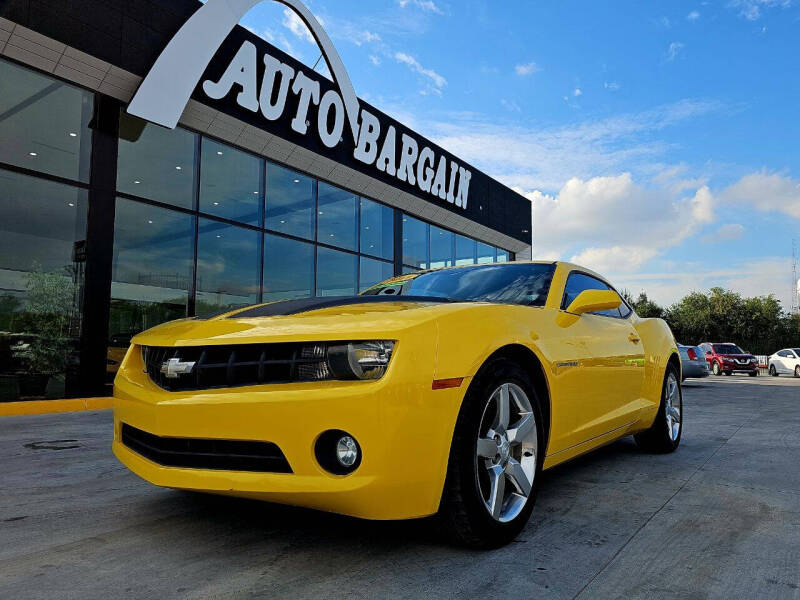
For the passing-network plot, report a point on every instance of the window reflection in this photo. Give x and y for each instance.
(42, 259)
(502, 255)
(336, 273)
(230, 183)
(152, 268)
(337, 219)
(290, 202)
(44, 123)
(155, 162)
(415, 242)
(465, 250)
(485, 253)
(377, 229)
(288, 269)
(227, 267)
(373, 271)
(441, 248)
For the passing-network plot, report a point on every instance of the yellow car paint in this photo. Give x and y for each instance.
(604, 378)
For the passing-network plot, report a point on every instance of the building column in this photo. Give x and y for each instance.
(99, 245)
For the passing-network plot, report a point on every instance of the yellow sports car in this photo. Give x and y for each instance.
(442, 392)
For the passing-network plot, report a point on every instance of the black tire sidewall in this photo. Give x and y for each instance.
(483, 530)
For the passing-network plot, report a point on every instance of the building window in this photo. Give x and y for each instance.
(42, 260)
(156, 163)
(441, 249)
(465, 250)
(336, 273)
(377, 229)
(288, 269)
(373, 271)
(230, 183)
(502, 255)
(227, 267)
(486, 253)
(337, 221)
(291, 202)
(415, 242)
(152, 267)
(44, 123)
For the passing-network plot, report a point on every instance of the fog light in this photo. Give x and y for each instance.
(346, 451)
(337, 452)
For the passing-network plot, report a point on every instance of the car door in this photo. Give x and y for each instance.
(784, 362)
(607, 352)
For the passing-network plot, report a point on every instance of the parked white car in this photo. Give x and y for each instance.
(786, 361)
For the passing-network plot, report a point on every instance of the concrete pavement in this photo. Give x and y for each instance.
(720, 518)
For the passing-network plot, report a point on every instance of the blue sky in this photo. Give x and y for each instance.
(657, 140)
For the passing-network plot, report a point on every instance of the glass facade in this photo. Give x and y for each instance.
(198, 227)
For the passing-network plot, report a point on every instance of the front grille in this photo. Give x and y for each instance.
(207, 367)
(199, 453)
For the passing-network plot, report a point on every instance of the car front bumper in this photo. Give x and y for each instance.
(404, 429)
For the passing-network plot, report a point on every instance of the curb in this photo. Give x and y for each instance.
(46, 407)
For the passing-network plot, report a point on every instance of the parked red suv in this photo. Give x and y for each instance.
(729, 358)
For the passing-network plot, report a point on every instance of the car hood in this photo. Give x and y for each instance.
(287, 321)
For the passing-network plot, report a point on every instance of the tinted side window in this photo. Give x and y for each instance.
(579, 282)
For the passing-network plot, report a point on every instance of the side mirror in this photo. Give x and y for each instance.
(589, 301)
(708, 352)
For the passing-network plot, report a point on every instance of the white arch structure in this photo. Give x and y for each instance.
(164, 93)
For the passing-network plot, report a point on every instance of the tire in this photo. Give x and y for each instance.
(753, 374)
(715, 369)
(773, 371)
(797, 371)
(663, 436)
(727, 373)
(467, 500)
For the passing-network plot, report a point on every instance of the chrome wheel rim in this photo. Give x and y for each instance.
(673, 406)
(506, 452)
(715, 369)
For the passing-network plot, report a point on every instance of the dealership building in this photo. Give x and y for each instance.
(271, 181)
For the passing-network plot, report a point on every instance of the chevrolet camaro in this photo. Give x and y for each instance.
(443, 392)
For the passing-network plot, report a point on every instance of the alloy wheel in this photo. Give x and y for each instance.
(673, 406)
(506, 452)
(797, 371)
(772, 370)
(715, 368)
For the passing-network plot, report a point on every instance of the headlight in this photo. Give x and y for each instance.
(360, 360)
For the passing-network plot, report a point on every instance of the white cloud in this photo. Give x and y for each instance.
(614, 224)
(296, 25)
(693, 16)
(438, 81)
(673, 50)
(725, 233)
(374, 60)
(526, 69)
(766, 192)
(577, 92)
(611, 86)
(545, 158)
(751, 9)
(424, 5)
(510, 105)
(749, 278)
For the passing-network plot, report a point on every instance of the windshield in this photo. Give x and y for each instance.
(727, 349)
(509, 283)
(797, 351)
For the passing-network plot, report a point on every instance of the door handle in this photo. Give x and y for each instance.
(634, 338)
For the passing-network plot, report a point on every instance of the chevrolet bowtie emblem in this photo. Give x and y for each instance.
(174, 368)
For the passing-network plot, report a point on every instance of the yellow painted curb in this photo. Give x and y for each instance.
(44, 407)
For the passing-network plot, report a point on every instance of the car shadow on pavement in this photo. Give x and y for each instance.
(265, 523)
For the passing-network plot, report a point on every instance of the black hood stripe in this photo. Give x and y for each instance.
(293, 307)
